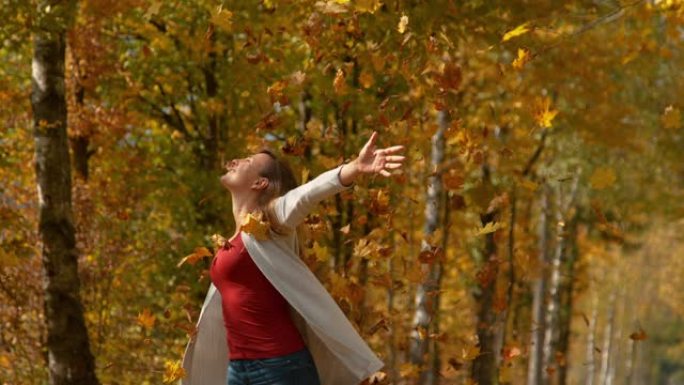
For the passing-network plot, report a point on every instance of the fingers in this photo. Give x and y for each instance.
(393, 149)
(392, 166)
(389, 150)
(385, 173)
(395, 158)
(371, 141)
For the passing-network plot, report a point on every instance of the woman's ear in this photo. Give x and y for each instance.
(260, 183)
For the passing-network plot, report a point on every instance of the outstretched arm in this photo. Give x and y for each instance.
(297, 203)
(372, 160)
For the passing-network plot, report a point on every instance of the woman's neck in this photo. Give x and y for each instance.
(242, 205)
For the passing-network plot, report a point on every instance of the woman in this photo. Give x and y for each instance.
(266, 318)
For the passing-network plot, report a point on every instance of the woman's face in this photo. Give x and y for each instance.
(243, 173)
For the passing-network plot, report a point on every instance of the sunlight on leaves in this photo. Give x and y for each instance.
(173, 371)
(490, 227)
(543, 113)
(522, 59)
(517, 31)
(403, 24)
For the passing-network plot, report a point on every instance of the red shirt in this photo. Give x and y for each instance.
(255, 314)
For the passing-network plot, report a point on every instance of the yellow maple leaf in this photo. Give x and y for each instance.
(602, 178)
(339, 83)
(146, 319)
(222, 19)
(490, 227)
(275, 90)
(253, 224)
(367, 5)
(543, 113)
(173, 371)
(522, 59)
(517, 31)
(321, 252)
(671, 118)
(403, 24)
(470, 353)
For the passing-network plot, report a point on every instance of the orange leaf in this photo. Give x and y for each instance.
(639, 335)
(146, 319)
(199, 253)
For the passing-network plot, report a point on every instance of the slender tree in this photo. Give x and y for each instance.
(69, 358)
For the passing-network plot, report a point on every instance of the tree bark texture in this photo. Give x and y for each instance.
(424, 302)
(69, 358)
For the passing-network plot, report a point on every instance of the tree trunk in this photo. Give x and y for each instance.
(424, 302)
(591, 341)
(606, 349)
(553, 301)
(484, 369)
(69, 358)
(565, 319)
(535, 365)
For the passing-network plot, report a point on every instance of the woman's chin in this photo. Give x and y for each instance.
(226, 181)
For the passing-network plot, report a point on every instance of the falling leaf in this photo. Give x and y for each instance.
(382, 324)
(146, 319)
(218, 240)
(275, 92)
(153, 9)
(470, 353)
(377, 378)
(305, 175)
(403, 24)
(199, 253)
(490, 227)
(543, 113)
(222, 19)
(5, 361)
(450, 76)
(510, 351)
(173, 371)
(253, 224)
(409, 370)
(331, 7)
(603, 177)
(452, 180)
(528, 184)
(517, 31)
(366, 79)
(345, 230)
(367, 5)
(298, 78)
(671, 118)
(639, 335)
(522, 59)
(379, 202)
(339, 84)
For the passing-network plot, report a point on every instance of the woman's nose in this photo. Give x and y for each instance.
(231, 163)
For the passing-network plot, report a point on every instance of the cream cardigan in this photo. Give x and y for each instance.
(341, 355)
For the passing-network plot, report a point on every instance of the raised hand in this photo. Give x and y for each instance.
(372, 160)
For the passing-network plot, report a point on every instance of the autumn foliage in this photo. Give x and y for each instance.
(561, 174)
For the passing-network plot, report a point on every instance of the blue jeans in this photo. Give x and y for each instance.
(291, 369)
